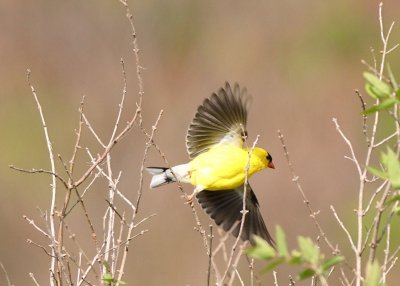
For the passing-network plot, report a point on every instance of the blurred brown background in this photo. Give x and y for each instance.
(299, 59)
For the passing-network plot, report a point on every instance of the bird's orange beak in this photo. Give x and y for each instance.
(271, 165)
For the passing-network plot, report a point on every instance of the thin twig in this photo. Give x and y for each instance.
(235, 263)
(53, 181)
(148, 145)
(377, 191)
(6, 274)
(313, 214)
(38, 171)
(78, 138)
(30, 241)
(274, 273)
(384, 39)
(199, 227)
(136, 51)
(349, 144)
(210, 257)
(33, 279)
(344, 229)
(32, 222)
(363, 106)
(379, 211)
(121, 104)
(386, 258)
(244, 212)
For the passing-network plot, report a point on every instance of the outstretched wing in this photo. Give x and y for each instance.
(221, 118)
(225, 208)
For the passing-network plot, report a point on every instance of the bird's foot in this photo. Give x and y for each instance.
(189, 199)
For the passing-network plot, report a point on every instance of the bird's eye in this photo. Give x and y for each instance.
(269, 158)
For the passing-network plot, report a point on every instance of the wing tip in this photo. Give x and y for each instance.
(222, 112)
(217, 203)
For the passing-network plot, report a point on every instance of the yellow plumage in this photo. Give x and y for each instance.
(220, 163)
(224, 166)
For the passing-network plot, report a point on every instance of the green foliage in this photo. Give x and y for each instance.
(263, 251)
(373, 274)
(308, 256)
(108, 279)
(388, 95)
(375, 87)
(281, 245)
(391, 171)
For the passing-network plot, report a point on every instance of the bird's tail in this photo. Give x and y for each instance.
(161, 176)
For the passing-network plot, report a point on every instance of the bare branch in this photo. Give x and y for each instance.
(6, 274)
(32, 222)
(36, 171)
(53, 181)
(345, 229)
(363, 106)
(136, 51)
(34, 279)
(350, 145)
(210, 257)
(78, 138)
(244, 212)
(148, 145)
(312, 213)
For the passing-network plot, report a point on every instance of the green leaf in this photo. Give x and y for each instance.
(392, 78)
(261, 250)
(107, 266)
(296, 258)
(397, 210)
(373, 273)
(305, 274)
(392, 163)
(107, 278)
(273, 264)
(375, 87)
(309, 251)
(378, 173)
(370, 91)
(385, 104)
(281, 244)
(392, 200)
(327, 264)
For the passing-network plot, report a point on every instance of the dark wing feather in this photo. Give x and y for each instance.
(225, 208)
(223, 116)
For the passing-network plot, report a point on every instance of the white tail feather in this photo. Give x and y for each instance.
(163, 176)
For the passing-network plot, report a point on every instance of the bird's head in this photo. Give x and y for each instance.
(263, 157)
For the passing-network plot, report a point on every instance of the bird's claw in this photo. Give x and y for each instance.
(189, 199)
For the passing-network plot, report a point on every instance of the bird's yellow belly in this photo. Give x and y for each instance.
(206, 177)
(219, 169)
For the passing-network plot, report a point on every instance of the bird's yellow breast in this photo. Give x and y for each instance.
(223, 167)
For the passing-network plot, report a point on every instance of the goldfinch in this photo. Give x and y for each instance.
(219, 162)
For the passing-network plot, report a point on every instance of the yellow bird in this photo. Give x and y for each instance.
(220, 160)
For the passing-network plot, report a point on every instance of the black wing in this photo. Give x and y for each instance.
(225, 208)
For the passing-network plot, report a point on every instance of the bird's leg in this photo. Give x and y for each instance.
(190, 197)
